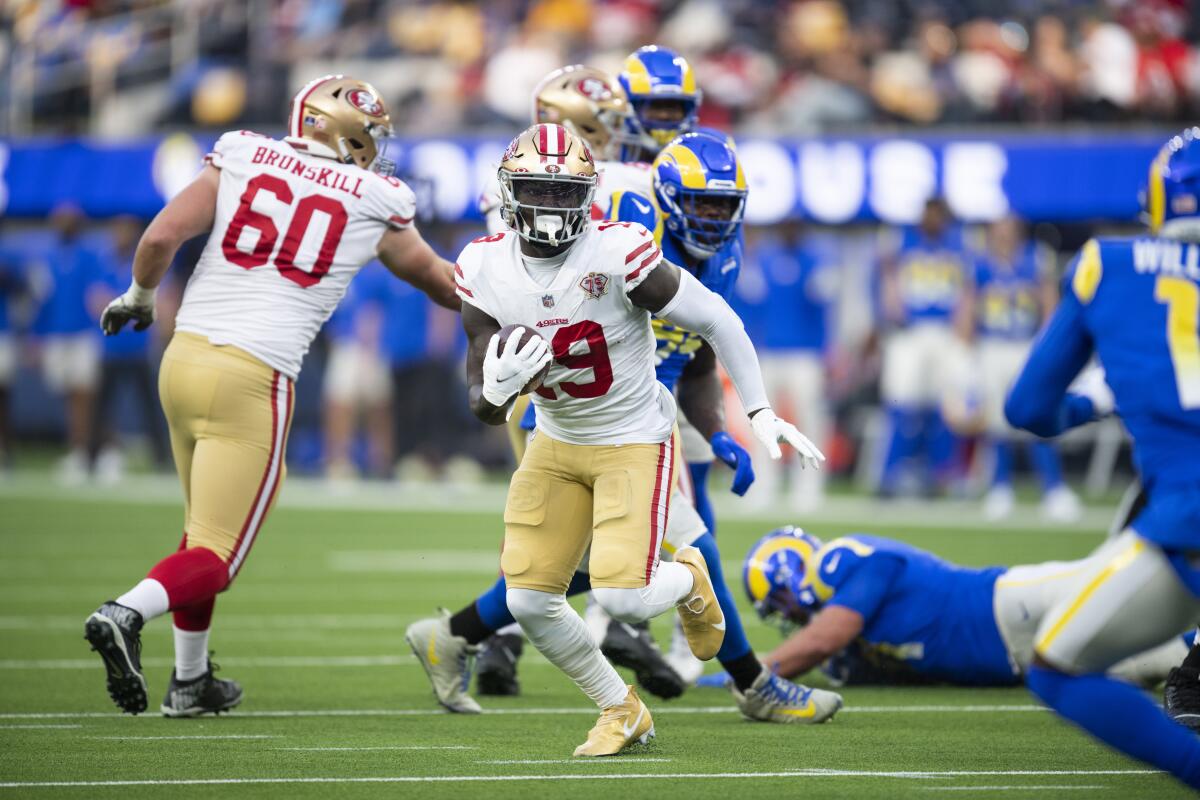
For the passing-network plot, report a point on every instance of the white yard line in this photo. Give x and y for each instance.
(274, 662)
(1014, 787)
(36, 727)
(578, 761)
(488, 499)
(386, 747)
(582, 777)
(518, 712)
(192, 736)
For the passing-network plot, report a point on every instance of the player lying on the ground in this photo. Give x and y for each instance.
(292, 223)
(1133, 302)
(875, 610)
(699, 184)
(596, 476)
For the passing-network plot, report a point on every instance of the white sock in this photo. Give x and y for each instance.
(191, 654)
(562, 637)
(148, 598)
(670, 584)
(510, 630)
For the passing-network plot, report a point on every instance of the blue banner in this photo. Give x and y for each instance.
(825, 180)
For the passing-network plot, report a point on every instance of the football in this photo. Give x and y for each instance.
(528, 332)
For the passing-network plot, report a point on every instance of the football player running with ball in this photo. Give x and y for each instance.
(291, 223)
(596, 477)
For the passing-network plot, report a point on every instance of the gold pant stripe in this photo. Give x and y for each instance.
(1116, 565)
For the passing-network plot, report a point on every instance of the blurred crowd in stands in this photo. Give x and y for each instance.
(132, 66)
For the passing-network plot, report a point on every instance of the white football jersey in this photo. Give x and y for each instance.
(611, 177)
(291, 230)
(601, 388)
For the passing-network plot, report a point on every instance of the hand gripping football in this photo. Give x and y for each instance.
(505, 333)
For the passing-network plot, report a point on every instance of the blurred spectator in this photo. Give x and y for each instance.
(357, 381)
(1014, 293)
(12, 288)
(70, 279)
(924, 273)
(127, 361)
(784, 295)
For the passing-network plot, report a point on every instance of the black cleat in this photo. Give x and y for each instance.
(202, 695)
(1181, 697)
(114, 631)
(496, 665)
(632, 647)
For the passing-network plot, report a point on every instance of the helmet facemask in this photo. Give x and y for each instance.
(704, 219)
(546, 209)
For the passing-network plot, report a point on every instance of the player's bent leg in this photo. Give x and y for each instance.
(1129, 602)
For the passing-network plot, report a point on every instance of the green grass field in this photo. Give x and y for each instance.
(337, 706)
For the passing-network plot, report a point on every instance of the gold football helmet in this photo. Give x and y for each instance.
(341, 118)
(589, 103)
(547, 179)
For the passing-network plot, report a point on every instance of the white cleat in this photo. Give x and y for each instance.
(447, 660)
(1061, 505)
(775, 699)
(681, 659)
(999, 503)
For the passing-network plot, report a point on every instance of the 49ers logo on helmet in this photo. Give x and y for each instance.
(365, 102)
(593, 89)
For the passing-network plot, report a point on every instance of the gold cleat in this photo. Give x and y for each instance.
(700, 613)
(619, 727)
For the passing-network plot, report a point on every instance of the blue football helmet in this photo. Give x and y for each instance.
(774, 575)
(661, 88)
(701, 189)
(1172, 193)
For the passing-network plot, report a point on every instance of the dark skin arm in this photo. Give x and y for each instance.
(480, 328)
(410, 258)
(701, 396)
(830, 632)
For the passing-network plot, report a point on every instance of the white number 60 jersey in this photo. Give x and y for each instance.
(601, 388)
(291, 230)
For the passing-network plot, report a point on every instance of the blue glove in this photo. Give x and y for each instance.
(718, 680)
(726, 448)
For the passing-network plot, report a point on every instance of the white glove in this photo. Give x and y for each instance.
(506, 373)
(1091, 384)
(136, 304)
(770, 430)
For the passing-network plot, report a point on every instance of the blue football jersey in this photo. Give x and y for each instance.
(932, 615)
(931, 273)
(1009, 295)
(676, 347)
(1139, 301)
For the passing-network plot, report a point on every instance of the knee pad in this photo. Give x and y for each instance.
(532, 605)
(624, 605)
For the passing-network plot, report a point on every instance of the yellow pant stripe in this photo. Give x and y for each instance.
(1116, 565)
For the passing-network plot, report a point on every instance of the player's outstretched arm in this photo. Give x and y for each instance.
(410, 258)
(832, 630)
(678, 297)
(190, 213)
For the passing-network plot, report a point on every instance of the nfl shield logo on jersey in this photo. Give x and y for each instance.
(595, 284)
(548, 301)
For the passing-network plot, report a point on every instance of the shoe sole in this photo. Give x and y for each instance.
(654, 681)
(126, 686)
(699, 565)
(419, 652)
(198, 711)
(643, 739)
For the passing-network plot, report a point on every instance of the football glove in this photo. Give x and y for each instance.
(726, 448)
(770, 430)
(506, 373)
(136, 304)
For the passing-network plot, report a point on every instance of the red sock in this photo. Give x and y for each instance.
(191, 577)
(196, 617)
